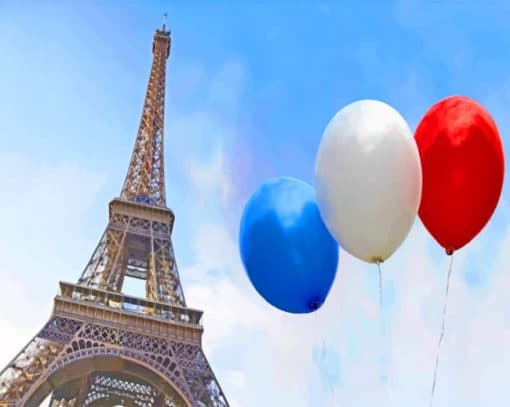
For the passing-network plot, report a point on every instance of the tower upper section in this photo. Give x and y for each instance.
(137, 241)
(145, 179)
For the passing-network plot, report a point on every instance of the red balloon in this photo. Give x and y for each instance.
(463, 167)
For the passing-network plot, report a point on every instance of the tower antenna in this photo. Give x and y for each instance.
(164, 21)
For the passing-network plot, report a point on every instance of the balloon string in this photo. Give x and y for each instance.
(384, 377)
(380, 292)
(442, 330)
(331, 388)
(316, 339)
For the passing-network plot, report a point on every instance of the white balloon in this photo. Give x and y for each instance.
(368, 179)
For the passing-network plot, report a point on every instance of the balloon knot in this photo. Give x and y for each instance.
(377, 260)
(449, 251)
(314, 304)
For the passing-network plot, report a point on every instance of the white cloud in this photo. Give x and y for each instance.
(42, 220)
(20, 316)
(209, 178)
(229, 311)
(43, 203)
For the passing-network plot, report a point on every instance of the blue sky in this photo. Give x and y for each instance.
(250, 89)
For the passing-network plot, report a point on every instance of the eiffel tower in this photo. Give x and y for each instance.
(100, 346)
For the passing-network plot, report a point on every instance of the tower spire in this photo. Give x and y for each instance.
(145, 179)
(164, 21)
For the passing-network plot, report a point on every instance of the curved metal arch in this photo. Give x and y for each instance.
(83, 364)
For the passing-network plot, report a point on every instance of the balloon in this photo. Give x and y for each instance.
(289, 255)
(463, 168)
(368, 179)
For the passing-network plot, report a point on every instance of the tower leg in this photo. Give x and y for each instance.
(33, 361)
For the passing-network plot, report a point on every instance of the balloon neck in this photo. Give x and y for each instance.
(449, 251)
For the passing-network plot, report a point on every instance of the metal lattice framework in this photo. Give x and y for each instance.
(137, 243)
(64, 341)
(101, 345)
(107, 387)
(145, 180)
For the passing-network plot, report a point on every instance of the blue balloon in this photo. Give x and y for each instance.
(290, 257)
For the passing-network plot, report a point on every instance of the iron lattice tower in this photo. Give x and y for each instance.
(102, 347)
